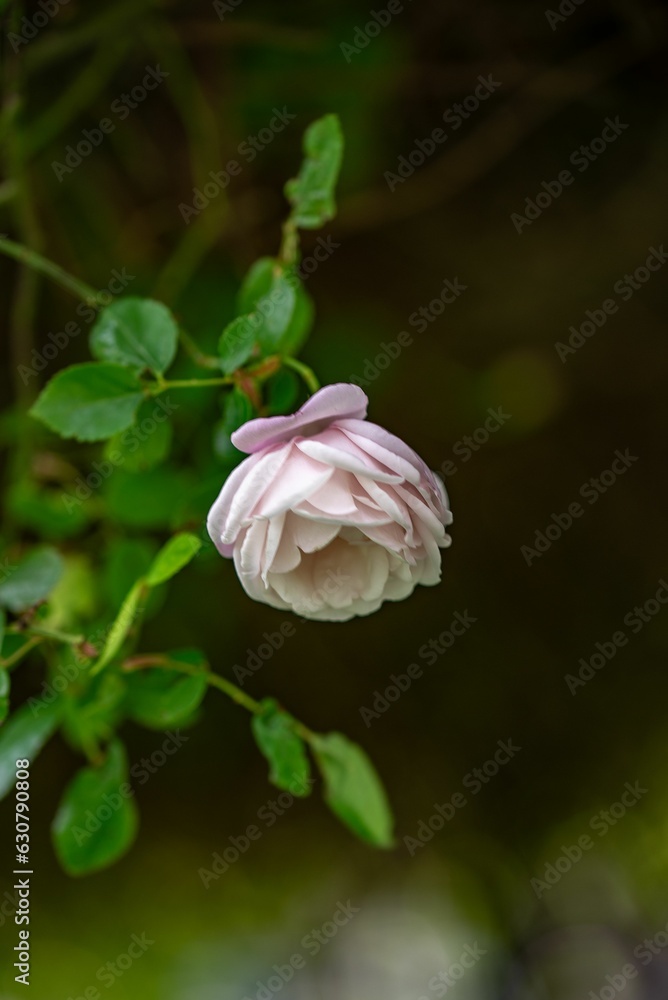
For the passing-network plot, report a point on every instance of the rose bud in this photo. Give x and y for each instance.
(330, 515)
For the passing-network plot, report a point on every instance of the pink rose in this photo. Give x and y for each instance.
(330, 515)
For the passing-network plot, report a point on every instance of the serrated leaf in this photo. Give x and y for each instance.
(160, 698)
(31, 579)
(97, 818)
(275, 735)
(140, 333)
(353, 789)
(90, 402)
(173, 556)
(237, 342)
(23, 736)
(311, 193)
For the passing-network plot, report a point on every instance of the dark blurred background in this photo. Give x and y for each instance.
(560, 73)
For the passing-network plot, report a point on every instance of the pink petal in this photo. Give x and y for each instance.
(334, 402)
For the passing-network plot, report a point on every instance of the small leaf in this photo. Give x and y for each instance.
(256, 283)
(31, 579)
(136, 332)
(122, 624)
(353, 789)
(97, 818)
(289, 319)
(160, 698)
(275, 735)
(276, 310)
(237, 342)
(89, 402)
(174, 555)
(4, 692)
(311, 193)
(24, 735)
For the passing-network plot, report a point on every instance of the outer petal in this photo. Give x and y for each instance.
(334, 402)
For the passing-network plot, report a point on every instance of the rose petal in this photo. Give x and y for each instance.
(333, 402)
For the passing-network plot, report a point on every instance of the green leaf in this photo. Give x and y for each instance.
(4, 691)
(174, 555)
(353, 789)
(97, 818)
(89, 402)
(237, 342)
(311, 193)
(92, 716)
(127, 560)
(289, 319)
(237, 410)
(31, 579)
(275, 735)
(136, 332)
(276, 310)
(24, 735)
(160, 698)
(122, 624)
(256, 283)
(3, 622)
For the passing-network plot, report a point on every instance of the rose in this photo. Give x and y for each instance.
(330, 515)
